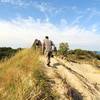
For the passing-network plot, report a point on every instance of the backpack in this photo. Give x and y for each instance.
(37, 42)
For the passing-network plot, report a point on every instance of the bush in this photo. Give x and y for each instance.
(7, 52)
(79, 52)
(84, 53)
(98, 57)
(63, 48)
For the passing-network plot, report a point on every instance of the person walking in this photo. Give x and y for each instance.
(47, 49)
(37, 44)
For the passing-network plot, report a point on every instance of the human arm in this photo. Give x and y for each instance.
(43, 47)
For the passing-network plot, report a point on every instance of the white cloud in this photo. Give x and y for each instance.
(20, 3)
(46, 8)
(22, 32)
(90, 13)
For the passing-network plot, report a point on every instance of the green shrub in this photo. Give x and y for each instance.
(6, 52)
(98, 57)
(63, 48)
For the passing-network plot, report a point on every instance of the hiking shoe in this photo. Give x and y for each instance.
(48, 65)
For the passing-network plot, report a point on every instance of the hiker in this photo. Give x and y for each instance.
(47, 49)
(37, 44)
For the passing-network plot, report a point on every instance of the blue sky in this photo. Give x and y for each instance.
(74, 21)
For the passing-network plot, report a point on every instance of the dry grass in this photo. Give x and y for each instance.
(22, 78)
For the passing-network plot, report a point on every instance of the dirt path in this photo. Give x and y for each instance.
(82, 79)
(58, 86)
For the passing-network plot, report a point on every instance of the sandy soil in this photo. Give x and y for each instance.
(83, 78)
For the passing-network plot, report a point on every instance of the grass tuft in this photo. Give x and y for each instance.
(22, 78)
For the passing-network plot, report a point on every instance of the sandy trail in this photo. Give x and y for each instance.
(58, 86)
(82, 77)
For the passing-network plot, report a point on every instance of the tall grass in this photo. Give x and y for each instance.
(22, 78)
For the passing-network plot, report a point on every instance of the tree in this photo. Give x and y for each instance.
(63, 48)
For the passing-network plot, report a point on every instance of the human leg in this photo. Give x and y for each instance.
(49, 58)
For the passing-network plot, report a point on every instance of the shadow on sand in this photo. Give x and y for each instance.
(55, 65)
(72, 92)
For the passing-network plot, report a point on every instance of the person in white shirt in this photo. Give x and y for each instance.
(47, 48)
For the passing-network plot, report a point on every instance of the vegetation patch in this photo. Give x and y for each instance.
(22, 78)
(7, 52)
(78, 55)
